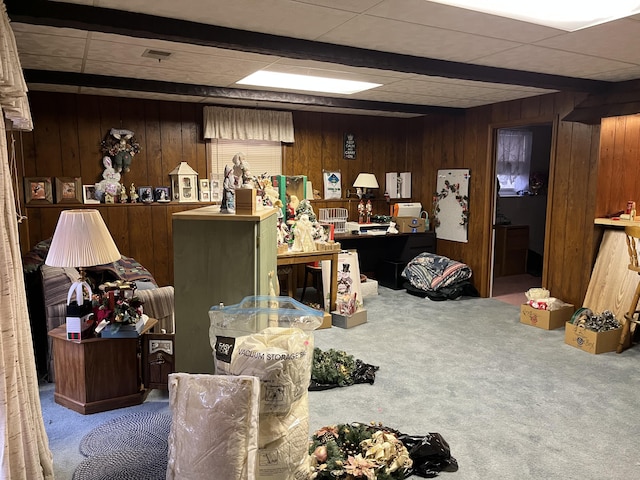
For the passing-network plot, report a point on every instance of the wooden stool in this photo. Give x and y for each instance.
(316, 275)
(633, 235)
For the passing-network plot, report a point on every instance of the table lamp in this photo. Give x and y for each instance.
(364, 182)
(81, 239)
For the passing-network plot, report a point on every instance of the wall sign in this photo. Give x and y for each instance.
(349, 146)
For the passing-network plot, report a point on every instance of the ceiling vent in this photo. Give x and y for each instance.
(156, 54)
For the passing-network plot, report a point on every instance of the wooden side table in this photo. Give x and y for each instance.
(96, 374)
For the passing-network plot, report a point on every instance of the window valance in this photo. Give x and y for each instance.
(245, 124)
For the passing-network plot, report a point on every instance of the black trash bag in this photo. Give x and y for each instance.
(461, 289)
(430, 454)
(336, 368)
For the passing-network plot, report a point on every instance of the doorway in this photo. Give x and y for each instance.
(522, 157)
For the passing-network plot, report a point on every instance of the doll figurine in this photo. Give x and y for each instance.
(361, 212)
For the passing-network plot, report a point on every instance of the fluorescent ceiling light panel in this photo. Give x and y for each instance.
(569, 15)
(291, 81)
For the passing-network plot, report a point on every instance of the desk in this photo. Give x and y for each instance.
(400, 247)
(297, 258)
(97, 374)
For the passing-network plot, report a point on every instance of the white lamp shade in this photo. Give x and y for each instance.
(81, 239)
(366, 180)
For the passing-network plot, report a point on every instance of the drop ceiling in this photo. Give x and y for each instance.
(428, 57)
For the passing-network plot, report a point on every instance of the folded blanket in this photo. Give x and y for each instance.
(431, 272)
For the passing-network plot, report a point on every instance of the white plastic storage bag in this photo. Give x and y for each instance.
(214, 427)
(270, 338)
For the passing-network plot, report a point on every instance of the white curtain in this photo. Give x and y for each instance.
(24, 447)
(244, 124)
(513, 160)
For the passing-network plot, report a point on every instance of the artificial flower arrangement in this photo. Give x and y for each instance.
(372, 452)
(117, 305)
(357, 451)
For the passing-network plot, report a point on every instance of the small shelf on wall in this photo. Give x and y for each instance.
(117, 205)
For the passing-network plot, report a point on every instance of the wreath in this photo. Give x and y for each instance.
(121, 146)
(463, 201)
(336, 368)
(358, 451)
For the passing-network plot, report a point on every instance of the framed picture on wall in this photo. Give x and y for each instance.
(68, 190)
(89, 194)
(38, 190)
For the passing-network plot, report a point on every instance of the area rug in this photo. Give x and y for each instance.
(132, 447)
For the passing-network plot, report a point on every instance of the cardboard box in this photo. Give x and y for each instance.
(590, 341)
(547, 319)
(369, 288)
(410, 224)
(245, 201)
(349, 321)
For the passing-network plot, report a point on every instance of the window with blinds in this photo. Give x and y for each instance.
(262, 156)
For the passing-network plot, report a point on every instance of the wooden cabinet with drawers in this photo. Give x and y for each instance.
(511, 249)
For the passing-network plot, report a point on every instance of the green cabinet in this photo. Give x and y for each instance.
(218, 258)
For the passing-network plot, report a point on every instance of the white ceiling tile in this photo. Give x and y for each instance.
(185, 62)
(411, 39)
(356, 6)
(178, 47)
(461, 20)
(338, 69)
(46, 30)
(545, 60)
(615, 40)
(279, 17)
(41, 62)
(52, 45)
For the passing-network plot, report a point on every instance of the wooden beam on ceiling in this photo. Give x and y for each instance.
(84, 17)
(623, 98)
(285, 98)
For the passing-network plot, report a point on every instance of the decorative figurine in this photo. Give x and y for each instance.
(110, 182)
(303, 235)
(361, 212)
(369, 209)
(133, 195)
(228, 195)
(123, 194)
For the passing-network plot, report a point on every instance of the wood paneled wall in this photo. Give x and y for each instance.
(65, 142)
(66, 139)
(571, 238)
(619, 164)
(69, 128)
